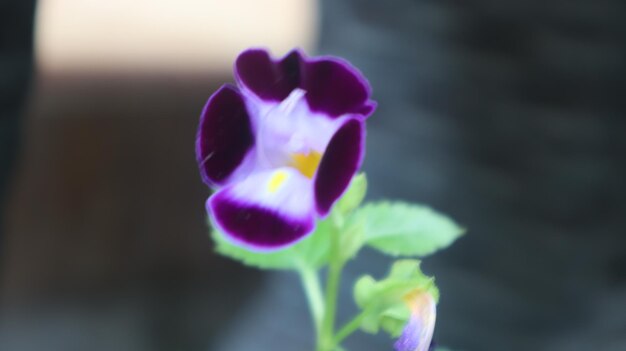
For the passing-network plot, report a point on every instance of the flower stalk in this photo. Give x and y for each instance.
(313, 291)
(326, 340)
(349, 328)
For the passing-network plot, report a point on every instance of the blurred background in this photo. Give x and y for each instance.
(506, 115)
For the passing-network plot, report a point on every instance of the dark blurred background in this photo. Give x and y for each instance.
(507, 115)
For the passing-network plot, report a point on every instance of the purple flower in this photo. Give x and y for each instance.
(418, 333)
(282, 146)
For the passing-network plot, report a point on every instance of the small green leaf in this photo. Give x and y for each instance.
(354, 195)
(382, 302)
(351, 240)
(311, 252)
(364, 288)
(394, 319)
(403, 229)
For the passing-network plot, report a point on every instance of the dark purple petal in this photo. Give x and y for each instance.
(256, 227)
(224, 135)
(336, 88)
(367, 109)
(268, 79)
(332, 85)
(341, 160)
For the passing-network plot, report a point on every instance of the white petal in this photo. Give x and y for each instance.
(266, 211)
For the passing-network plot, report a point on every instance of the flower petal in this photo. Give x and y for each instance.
(290, 132)
(418, 333)
(341, 160)
(268, 210)
(224, 136)
(268, 79)
(336, 88)
(333, 86)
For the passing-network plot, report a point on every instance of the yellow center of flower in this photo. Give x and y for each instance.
(278, 178)
(306, 163)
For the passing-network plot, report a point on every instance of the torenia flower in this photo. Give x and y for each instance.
(418, 333)
(282, 146)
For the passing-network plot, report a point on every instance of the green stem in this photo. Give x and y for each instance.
(349, 328)
(326, 338)
(332, 291)
(312, 289)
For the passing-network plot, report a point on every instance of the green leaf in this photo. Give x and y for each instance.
(382, 302)
(403, 229)
(354, 195)
(311, 252)
(351, 240)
